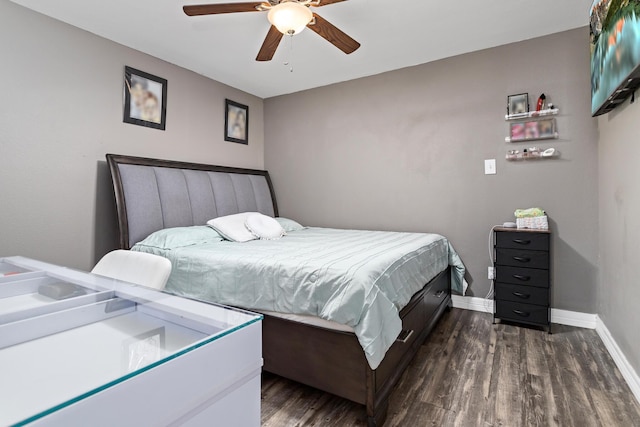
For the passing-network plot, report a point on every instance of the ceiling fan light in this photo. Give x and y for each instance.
(290, 17)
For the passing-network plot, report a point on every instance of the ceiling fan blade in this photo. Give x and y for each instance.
(269, 45)
(213, 9)
(326, 2)
(333, 35)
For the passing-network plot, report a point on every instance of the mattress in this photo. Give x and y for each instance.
(360, 279)
(310, 320)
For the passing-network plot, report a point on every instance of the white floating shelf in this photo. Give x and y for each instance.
(532, 114)
(537, 156)
(555, 135)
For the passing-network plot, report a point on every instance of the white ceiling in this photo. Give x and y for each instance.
(393, 33)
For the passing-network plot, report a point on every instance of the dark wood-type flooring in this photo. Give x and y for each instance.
(470, 372)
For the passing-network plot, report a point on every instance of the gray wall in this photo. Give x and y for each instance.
(619, 293)
(61, 111)
(405, 150)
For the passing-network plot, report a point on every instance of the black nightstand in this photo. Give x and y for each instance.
(523, 276)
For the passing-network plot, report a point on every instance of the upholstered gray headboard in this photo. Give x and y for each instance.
(153, 194)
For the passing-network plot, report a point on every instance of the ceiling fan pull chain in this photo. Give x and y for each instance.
(290, 60)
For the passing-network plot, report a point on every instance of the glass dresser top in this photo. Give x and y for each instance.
(66, 335)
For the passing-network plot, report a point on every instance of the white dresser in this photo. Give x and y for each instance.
(80, 349)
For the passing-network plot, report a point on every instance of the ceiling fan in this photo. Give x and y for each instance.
(286, 17)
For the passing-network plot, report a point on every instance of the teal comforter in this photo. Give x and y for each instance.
(358, 278)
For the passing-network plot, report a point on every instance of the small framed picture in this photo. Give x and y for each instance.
(518, 104)
(517, 131)
(531, 130)
(145, 99)
(546, 128)
(236, 122)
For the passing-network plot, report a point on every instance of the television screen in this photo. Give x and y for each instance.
(615, 52)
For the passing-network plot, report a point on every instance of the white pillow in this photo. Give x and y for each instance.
(264, 227)
(232, 227)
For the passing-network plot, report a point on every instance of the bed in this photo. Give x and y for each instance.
(322, 344)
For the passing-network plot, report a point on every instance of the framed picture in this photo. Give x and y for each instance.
(517, 131)
(531, 130)
(145, 99)
(546, 128)
(236, 122)
(518, 104)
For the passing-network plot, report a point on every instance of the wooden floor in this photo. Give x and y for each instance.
(470, 372)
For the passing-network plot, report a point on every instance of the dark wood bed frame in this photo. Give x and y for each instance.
(326, 359)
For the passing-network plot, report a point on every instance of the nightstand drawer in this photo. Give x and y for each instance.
(525, 313)
(522, 276)
(522, 258)
(523, 240)
(522, 294)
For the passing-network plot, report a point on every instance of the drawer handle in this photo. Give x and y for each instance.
(439, 294)
(521, 295)
(521, 241)
(522, 258)
(521, 313)
(404, 336)
(521, 277)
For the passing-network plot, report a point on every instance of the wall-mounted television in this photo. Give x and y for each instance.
(615, 53)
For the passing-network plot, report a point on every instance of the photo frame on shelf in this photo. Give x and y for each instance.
(546, 128)
(516, 131)
(531, 130)
(145, 99)
(518, 104)
(236, 122)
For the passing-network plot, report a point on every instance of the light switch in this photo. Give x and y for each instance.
(490, 167)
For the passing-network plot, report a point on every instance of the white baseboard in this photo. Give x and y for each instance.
(569, 318)
(573, 318)
(561, 317)
(472, 303)
(619, 358)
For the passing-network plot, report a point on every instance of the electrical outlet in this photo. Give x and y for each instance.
(492, 273)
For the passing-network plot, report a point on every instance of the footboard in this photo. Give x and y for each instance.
(333, 361)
